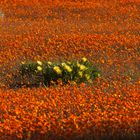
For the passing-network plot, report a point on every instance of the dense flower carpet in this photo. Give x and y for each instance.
(107, 33)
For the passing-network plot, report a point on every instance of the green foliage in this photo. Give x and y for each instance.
(46, 72)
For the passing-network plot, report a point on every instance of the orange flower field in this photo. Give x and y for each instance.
(107, 33)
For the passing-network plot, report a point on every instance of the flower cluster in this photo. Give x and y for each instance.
(77, 71)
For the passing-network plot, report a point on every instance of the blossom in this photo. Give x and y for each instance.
(97, 74)
(84, 59)
(73, 82)
(83, 67)
(49, 62)
(80, 73)
(22, 62)
(39, 68)
(63, 64)
(57, 70)
(68, 62)
(78, 64)
(39, 62)
(66, 67)
(87, 76)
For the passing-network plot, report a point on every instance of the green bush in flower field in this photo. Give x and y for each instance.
(46, 71)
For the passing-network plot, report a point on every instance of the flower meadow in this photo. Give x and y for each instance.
(69, 69)
(47, 73)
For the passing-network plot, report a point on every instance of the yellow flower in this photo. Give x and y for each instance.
(83, 67)
(90, 81)
(68, 62)
(22, 62)
(73, 82)
(80, 73)
(57, 70)
(49, 62)
(39, 68)
(78, 64)
(39, 62)
(87, 76)
(63, 64)
(84, 59)
(67, 68)
(99, 75)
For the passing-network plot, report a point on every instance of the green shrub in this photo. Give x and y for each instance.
(45, 71)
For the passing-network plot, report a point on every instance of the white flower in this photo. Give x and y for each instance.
(39, 62)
